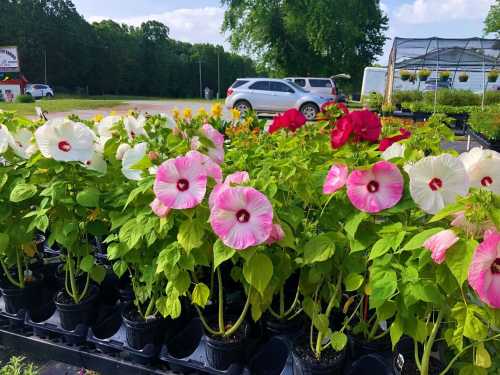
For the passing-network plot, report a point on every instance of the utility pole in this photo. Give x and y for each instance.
(201, 83)
(45, 64)
(218, 75)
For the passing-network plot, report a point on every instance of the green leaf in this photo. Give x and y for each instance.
(338, 340)
(417, 241)
(98, 273)
(321, 323)
(427, 292)
(200, 295)
(3, 180)
(447, 211)
(190, 235)
(474, 328)
(87, 263)
(221, 253)
(381, 247)
(258, 271)
(459, 258)
(387, 310)
(470, 369)
(352, 224)
(117, 250)
(483, 358)
(396, 331)
(88, 198)
(182, 282)
(383, 286)
(4, 242)
(353, 282)
(319, 249)
(120, 268)
(22, 192)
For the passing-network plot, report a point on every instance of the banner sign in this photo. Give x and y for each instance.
(9, 60)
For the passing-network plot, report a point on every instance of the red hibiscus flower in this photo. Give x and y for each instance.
(326, 106)
(387, 142)
(365, 125)
(291, 119)
(341, 132)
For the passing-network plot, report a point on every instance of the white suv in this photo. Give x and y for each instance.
(267, 95)
(37, 90)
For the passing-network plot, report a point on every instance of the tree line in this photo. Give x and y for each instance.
(111, 58)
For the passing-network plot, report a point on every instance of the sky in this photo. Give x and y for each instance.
(200, 20)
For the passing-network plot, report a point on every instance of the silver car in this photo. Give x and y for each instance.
(267, 95)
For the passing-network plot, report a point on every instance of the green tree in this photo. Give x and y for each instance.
(308, 37)
(492, 21)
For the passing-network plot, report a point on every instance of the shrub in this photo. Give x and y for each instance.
(406, 96)
(25, 99)
(492, 97)
(487, 123)
(457, 98)
(373, 101)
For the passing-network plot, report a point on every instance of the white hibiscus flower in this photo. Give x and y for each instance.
(135, 127)
(483, 168)
(436, 181)
(132, 157)
(105, 125)
(4, 138)
(124, 147)
(96, 163)
(65, 140)
(21, 142)
(396, 150)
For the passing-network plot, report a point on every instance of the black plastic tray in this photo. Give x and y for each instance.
(483, 141)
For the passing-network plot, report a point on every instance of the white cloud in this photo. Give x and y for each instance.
(427, 11)
(194, 25)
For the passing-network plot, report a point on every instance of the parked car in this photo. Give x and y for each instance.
(266, 95)
(38, 90)
(430, 84)
(319, 86)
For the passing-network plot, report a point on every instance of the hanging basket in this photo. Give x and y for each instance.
(463, 77)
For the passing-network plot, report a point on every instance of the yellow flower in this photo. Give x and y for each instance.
(217, 110)
(176, 113)
(235, 114)
(188, 113)
(202, 113)
(98, 118)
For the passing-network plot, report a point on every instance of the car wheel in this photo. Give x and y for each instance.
(49, 95)
(309, 110)
(242, 106)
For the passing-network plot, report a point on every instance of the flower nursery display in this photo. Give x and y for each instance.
(342, 238)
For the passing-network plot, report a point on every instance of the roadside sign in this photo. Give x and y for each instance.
(9, 59)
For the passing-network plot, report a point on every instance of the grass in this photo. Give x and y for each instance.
(59, 105)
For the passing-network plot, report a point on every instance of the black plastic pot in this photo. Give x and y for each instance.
(463, 78)
(142, 332)
(17, 299)
(492, 79)
(275, 327)
(308, 366)
(221, 354)
(405, 365)
(360, 347)
(72, 314)
(372, 364)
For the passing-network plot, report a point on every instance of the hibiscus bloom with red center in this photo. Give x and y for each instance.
(366, 125)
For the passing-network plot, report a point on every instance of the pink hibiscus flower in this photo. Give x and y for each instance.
(216, 153)
(212, 168)
(439, 243)
(242, 217)
(277, 234)
(474, 229)
(484, 271)
(375, 189)
(159, 208)
(366, 125)
(181, 182)
(336, 178)
(237, 178)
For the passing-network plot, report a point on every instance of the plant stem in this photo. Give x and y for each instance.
(72, 280)
(274, 313)
(429, 343)
(373, 330)
(241, 319)
(87, 283)
(294, 303)
(417, 356)
(150, 307)
(9, 276)
(220, 302)
(204, 322)
(282, 302)
(20, 273)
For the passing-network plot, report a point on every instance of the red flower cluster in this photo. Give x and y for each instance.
(387, 142)
(291, 120)
(365, 126)
(341, 106)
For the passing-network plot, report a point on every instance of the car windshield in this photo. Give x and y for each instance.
(297, 87)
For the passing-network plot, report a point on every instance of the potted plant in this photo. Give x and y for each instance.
(21, 287)
(387, 109)
(463, 77)
(424, 74)
(413, 77)
(404, 75)
(492, 75)
(444, 75)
